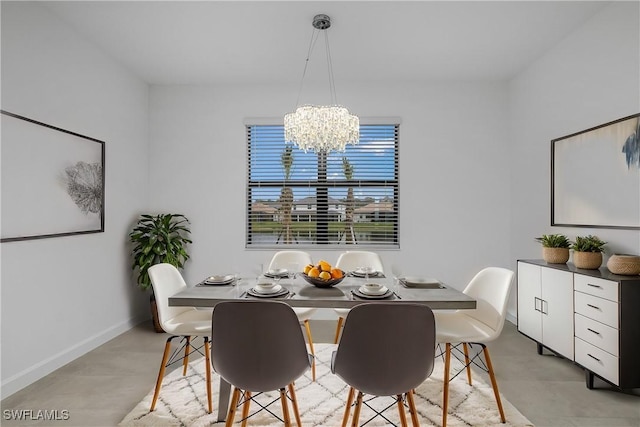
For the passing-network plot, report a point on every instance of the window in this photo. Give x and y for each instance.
(336, 199)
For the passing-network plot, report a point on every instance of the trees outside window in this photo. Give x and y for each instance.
(336, 198)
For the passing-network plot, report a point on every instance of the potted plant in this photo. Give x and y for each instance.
(555, 248)
(158, 239)
(587, 252)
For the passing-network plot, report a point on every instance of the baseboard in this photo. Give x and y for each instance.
(32, 374)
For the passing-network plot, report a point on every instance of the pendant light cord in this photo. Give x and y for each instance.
(314, 38)
(332, 82)
(332, 85)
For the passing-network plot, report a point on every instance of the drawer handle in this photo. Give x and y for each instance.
(594, 306)
(593, 357)
(591, 330)
(594, 286)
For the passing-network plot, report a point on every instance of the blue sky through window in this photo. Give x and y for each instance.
(373, 159)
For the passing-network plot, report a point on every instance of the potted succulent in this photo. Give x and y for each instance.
(157, 239)
(587, 252)
(555, 248)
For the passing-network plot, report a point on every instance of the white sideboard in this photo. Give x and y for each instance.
(591, 317)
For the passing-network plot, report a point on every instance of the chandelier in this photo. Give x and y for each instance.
(321, 128)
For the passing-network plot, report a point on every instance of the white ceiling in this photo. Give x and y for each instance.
(202, 42)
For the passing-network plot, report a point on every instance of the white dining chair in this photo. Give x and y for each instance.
(350, 261)
(184, 322)
(490, 288)
(297, 260)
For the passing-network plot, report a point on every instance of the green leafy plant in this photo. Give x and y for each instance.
(588, 244)
(158, 239)
(554, 241)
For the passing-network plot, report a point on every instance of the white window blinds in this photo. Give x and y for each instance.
(339, 199)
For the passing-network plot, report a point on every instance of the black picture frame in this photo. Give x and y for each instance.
(595, 176)
(53, 181)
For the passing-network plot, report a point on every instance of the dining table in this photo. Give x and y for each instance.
(301, 293)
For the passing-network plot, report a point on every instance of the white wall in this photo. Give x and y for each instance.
(454, 163)
(591, 78)
(64, 296)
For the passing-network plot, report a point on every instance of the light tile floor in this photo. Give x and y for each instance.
(101, 387)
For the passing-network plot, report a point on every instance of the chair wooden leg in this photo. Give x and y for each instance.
(467, 362)
(232, 408)
(356, 412)
(294, 403)
(207, 370)
(415, 422)
(494, 384)
(338, 329)
(245, 407)
(445, 392)
(403, 415)
(347, 409)
(185, 360)
(313, 353)
(285, 408)
(163, 365)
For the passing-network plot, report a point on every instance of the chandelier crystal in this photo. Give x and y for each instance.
(321, 128)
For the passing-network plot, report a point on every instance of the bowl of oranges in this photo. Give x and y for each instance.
(322, 275)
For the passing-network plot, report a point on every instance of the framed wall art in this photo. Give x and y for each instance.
(52, 181)
(595, 176)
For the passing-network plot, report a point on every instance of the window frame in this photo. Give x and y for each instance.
(322, 183)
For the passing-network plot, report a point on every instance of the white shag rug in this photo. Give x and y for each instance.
(182, 401)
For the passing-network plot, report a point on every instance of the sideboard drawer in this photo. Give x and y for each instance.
(596, 333)
(595, 286)
(595, 308)
(597, 360)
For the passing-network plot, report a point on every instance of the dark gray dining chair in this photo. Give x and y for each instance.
(258, 346)
(386, 349)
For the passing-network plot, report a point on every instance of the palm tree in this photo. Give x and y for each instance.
(286, 194)
(347, 170)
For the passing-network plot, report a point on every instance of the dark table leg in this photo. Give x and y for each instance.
(223, 399)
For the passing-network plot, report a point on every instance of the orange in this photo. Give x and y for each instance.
(325, 275)
(336, 273)
(314, 272)
(324, 265)
(307, 268)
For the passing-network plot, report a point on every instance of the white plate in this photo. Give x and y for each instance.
(219, 279)
(362, 273)
(252, 292)
(267, 290)
(278, 272)
(367, 296)
(381, 290)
